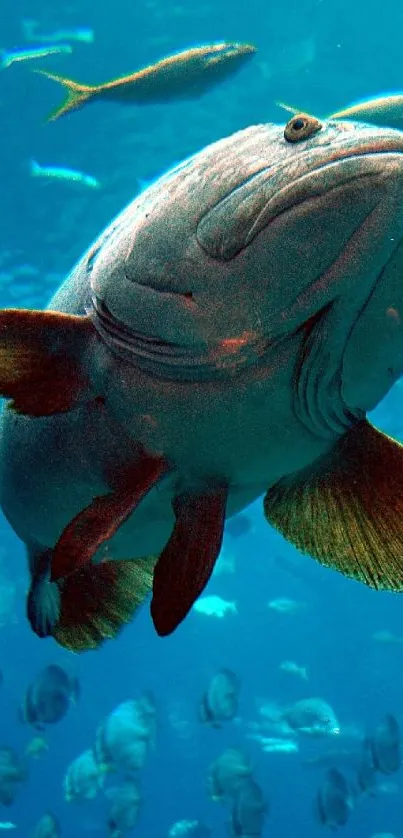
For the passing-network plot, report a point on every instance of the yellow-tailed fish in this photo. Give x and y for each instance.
(184, 75)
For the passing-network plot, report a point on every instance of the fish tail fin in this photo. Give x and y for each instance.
(97, 601)
(77, 94)
(33, 167)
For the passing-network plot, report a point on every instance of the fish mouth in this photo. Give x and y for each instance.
(168, 360)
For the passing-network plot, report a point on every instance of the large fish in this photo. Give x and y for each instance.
(223, 338)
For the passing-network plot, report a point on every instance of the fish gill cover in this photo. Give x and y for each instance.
(276, 706)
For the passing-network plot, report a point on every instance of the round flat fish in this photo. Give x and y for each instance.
(224, 338)
(49, 697)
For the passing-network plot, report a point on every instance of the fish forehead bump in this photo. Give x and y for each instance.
(182, 234)
(168, 213)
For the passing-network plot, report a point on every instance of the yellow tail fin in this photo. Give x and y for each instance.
(77, 94)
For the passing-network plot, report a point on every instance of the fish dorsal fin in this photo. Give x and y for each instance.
(187, 561)
(233, 223)
(347, 510)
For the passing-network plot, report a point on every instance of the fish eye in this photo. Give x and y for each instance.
(300, 127)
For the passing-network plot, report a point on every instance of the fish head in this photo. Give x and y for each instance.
(223, 59)
(263, 234)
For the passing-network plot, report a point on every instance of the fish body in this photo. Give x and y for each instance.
(227, 773)
(36, 747)
(294, 669)
(13, 772)
(184, 75)
(308, 716)
(275, 744)
(334, 801)
(125, 808)
(189, 829)
(249, 810)
(63, 174)
(83, 779)
(126, 736)
(220, 701)
(49, 697)
(214, 606)
(16, 56)
(47, 827)
(381, 110)
(385, 746)
(179, 373)
(81, 34)
(384, 111)
(284, 605)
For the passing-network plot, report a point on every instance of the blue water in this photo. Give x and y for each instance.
(320, 56)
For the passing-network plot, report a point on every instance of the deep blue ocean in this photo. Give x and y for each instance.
(318, 55)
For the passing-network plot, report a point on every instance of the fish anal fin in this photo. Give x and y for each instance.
(77, 94)
(97, 601)
(187, 561)
(99, 521)
(347, 510)
(40, 367)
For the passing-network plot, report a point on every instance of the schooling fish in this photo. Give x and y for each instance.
(184, 75)
(222, 339)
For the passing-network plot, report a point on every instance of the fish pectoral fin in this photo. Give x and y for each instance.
(40, 368)
(99, 521)
(77, 94)
(97, 601)
(187, 561)
(347, 511)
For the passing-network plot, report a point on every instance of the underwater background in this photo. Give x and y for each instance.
(318, 55)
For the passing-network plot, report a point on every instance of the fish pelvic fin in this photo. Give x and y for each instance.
(101, 519)
(40, 367)
(97, 601)
(347, 511)
(187, 561)
(77, 94)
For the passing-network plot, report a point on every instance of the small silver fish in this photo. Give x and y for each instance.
(14, 56)
(61, 173)
(83, 35)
